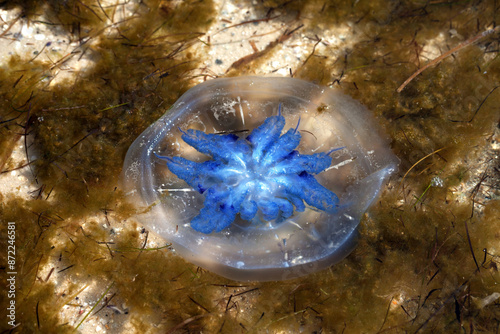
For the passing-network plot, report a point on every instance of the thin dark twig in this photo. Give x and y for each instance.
(308, 57)
(78, 142)
(39, 53)
(105, 304)
(228, 301)
(437, 272)
(17, 81)
(247, 291)
(203, 307)
(470, 246)
(37, 317)
(386, 314)
(485, 251)
(50, 274)
(60, 271)
(10, 119)
(102, 9)
(477, 110)
(26, 126)
(428, 295)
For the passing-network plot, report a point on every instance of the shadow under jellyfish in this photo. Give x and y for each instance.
(219, 178)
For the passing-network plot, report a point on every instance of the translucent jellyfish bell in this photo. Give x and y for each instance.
(289, 245)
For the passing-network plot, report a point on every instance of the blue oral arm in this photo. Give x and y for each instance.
(263, 136)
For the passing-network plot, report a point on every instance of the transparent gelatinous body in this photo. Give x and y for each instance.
(292, 245)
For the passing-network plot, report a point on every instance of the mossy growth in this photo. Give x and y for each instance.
(428, 253)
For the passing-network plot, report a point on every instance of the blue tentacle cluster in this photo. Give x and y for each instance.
(261, 176)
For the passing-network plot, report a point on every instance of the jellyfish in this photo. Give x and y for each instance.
(259, 178)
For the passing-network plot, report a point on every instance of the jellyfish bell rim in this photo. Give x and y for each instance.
(218, 89)
(268, 274)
